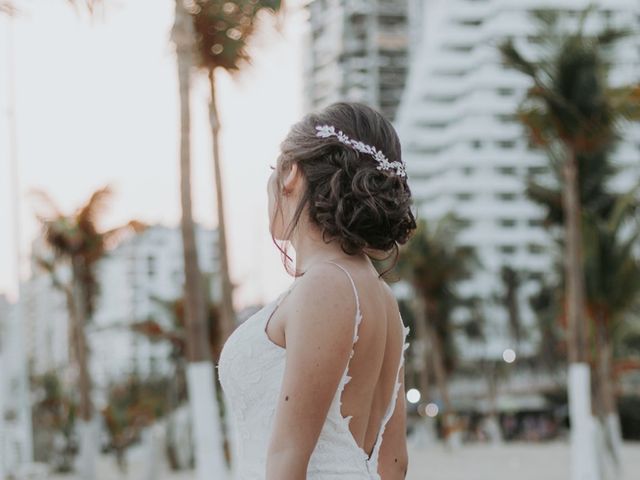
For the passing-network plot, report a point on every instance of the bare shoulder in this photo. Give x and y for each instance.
(325, 285)
(322, 303)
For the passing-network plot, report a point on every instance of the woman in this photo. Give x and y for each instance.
(339, 195)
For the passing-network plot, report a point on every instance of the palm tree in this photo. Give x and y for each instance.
(612, 272)
(433, 265)
(570, 110)
(511, 280)
(78, 245)
(613, 289)
(174, 335)
(200, 373)
(547, 303)
(223, 30)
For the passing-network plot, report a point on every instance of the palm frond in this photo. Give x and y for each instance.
(514, 59)
(114, 236)
(48, 207)
(224, 29)
(546, 17)
(94, 207)
(626, 206)
(610, 35)
(8, 8)
(549, 198)
(625, 102)
(569, 99)
(89, 5)
(582, 19)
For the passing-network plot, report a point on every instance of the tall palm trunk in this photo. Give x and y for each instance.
(200, 376)
(439, 370)
(87, 428)
(423, 340)
(606, 396)
(574, 265)
(422, 348)
(227, 314)
(583, 441)
(493, 424)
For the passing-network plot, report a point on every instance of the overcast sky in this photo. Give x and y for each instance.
(97, 104)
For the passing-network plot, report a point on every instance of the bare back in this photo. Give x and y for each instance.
(375, 365)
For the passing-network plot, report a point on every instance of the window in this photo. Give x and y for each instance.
(464, 196)
(435, 125)
(535, 276)
(537, 169)
(471, 23)
(506, 143)
(428, 150)
(506, 170)
(535, 222)
(508, 249)
(467, 170)
(505, 92)
(506, 117)
(151, 266)
(506, 196)
(459, 48)
(476, 144)
(440, 99)
(535, 248)
(507, 222)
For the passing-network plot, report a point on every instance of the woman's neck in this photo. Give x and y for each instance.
(310, 249)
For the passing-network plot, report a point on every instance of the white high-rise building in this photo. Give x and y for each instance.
(135, 279)
(467, 153)
(357, 51)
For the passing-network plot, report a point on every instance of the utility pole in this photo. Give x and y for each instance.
(22, 393)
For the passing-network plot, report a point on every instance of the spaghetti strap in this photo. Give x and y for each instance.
(358, 317)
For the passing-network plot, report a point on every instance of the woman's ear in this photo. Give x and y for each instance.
(292, 179)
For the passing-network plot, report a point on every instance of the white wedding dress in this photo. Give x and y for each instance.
(251, 369)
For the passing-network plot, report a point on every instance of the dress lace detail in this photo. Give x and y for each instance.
(251, 368)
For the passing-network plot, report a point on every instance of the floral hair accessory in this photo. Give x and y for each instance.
(326, 131)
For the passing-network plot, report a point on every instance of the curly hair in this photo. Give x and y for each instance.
(348, 198)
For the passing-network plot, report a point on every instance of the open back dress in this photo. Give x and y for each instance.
(251, 369)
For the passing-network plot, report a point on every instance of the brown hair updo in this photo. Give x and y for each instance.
(347, 196)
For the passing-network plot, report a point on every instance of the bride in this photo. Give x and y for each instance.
(315, 379)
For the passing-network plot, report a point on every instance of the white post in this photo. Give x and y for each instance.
(87, 456)
(584, 455)
(205, 420)
(153, 446)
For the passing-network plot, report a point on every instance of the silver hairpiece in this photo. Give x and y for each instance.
(325, 131)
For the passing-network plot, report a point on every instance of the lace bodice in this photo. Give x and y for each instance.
(251, 369)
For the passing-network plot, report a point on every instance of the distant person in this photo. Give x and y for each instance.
(338, 195)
